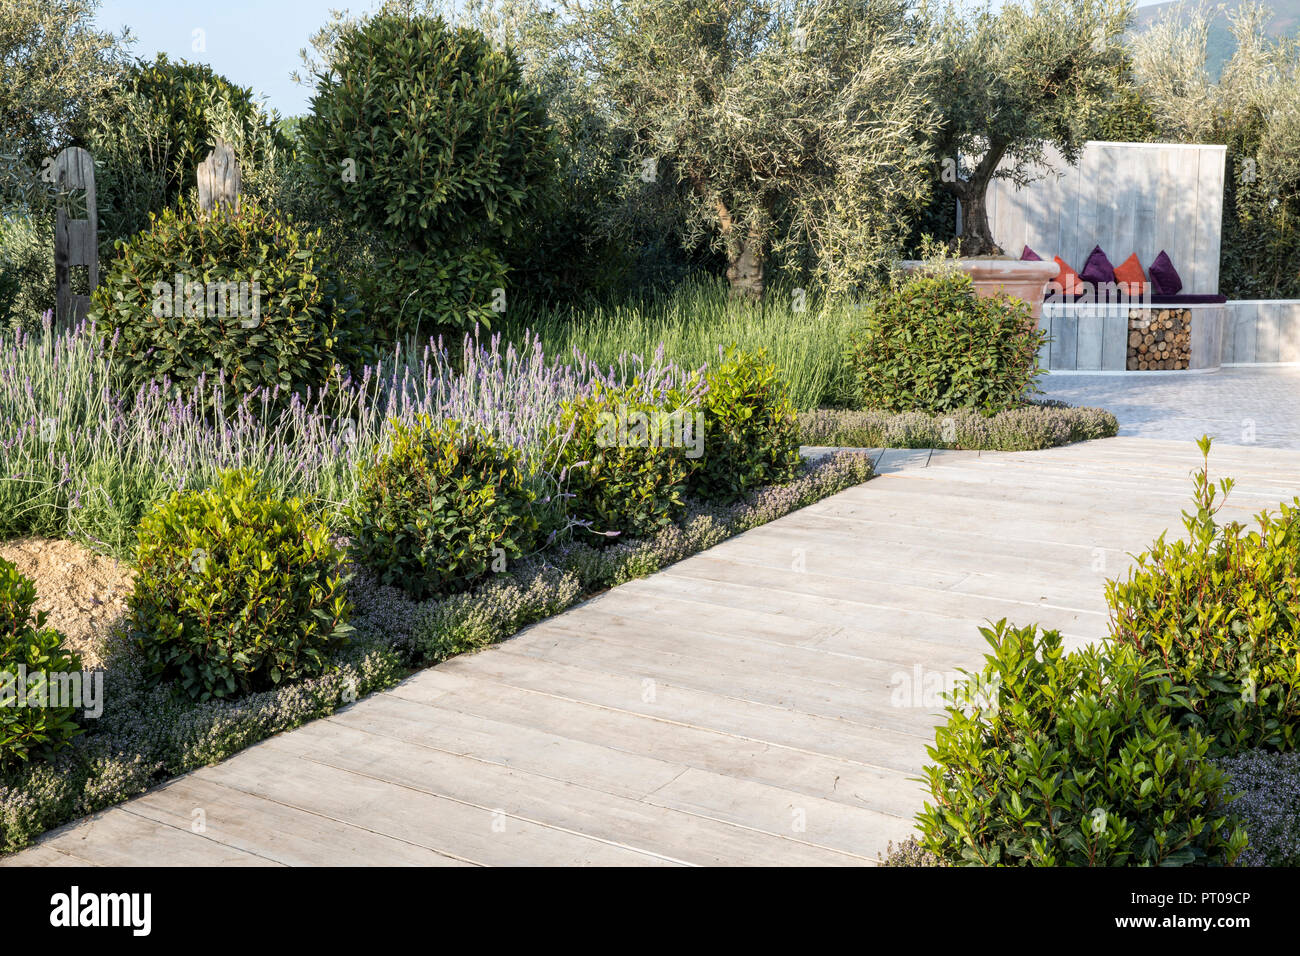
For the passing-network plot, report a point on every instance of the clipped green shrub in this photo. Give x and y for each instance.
(426, 134)
(1056, 759)
(933, 345)
(621, 470)
(31, 657)
(1221, 610)
(236, 591)
(750, 431)
(259, 306)
(445, 506)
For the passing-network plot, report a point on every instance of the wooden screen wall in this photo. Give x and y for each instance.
(1125, 197)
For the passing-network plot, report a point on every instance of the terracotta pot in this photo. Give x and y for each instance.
(1014, 277)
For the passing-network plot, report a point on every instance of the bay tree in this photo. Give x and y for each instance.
(427, 138)
(1013, 81)
(797, 127)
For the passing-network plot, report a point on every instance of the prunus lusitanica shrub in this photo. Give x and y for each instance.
(442, 508)
(35, 652)
(933, 345)
(751, 434)
(236, 590)
(1056, 759)
(624, 458)
(426, 136)
(1221, 610)
(259, 305)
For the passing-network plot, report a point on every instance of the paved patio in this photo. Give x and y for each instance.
(766, 702)
(1245, 405)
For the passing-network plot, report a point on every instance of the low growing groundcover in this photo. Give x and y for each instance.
(1033, 426)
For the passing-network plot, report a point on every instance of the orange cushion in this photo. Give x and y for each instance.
(1129, 276)
(1067, 278)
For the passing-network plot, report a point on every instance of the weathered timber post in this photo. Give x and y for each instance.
(218, 178)
(76, 241)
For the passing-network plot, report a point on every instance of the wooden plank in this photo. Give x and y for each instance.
(1267, 332)
(1244, 332)
(1114, 338)
(1209, 224)
(1090, 329)
(1288, 331)
(483, 833)
(122, 838)
(1065, 340)
(274, 831)
(561, 808)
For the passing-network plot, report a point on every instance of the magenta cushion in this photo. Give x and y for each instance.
(1164, 277)
(1097, 270)
(1030, 256)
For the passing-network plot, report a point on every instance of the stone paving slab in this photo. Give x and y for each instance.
(1242, 405)
(766, 702)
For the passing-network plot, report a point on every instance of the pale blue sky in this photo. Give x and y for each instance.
(253, 43)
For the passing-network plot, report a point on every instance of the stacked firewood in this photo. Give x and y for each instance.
(1159, 339)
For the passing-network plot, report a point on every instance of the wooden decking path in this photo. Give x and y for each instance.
(767, 702)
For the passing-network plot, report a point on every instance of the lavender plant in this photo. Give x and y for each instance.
(85, 456)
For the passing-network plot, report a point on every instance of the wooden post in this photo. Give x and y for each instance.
(218, 178)
(76, 241)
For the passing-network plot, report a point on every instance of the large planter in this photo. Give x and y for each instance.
(1013, 277)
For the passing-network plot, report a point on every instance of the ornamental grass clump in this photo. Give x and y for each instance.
(1221, 610)
(442, 507)
(236, 591)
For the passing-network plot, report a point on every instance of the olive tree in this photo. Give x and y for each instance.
(1012, 81)
(797, 127)
(54, 68)
(1253, 108)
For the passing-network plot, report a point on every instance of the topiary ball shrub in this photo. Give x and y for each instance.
(236, 590)
(442, 508)
(246, 297)
(1055, 759)
(1221, 610)
(623, 461)
(933, 345)
(32, 660)
(751, 434)
(426, 135)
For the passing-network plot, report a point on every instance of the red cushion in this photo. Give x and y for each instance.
(1130, 277)
(1067, 279)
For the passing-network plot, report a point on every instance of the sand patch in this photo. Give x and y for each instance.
(85, 593)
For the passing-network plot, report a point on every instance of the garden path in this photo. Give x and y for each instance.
(766, 702)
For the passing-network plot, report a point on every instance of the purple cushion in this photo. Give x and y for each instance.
(1030, 256)
(1164, 277)
(1097, 270)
